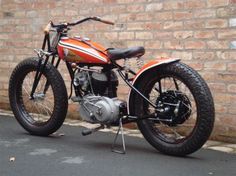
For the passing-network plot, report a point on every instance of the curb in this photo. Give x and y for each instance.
(212, 145)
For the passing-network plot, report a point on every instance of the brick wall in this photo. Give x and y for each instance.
(202, 33)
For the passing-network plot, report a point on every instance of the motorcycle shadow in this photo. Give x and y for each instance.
(101, 142)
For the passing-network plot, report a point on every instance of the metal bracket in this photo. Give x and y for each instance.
(113, 147)
(42, 53)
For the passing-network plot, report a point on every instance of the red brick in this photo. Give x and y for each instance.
(183, 34)
(135, 26)
(232, 110)
(233, 99)
(216, 3)
(220, 108)
(224, 12)
(231, 88)
(182, 15)
(163, 35)
(163, 16)
(118, 9)
(153, 44)
(111, 35)
(209, 76)
(216, 44)
(159, 54)
(173, 25)
(126, 35)
(144, 16)
(153, 25)
(154, 7)
(217, 87)
(101, 10)
(123, 89)
(4, 36)
(205, 13)
(204, 34)
(143, 35)
(4, 64)
(195, 24)
(231, 67)
(216, 23)
(173, 45)
(57, 12)
(194, 45)
(135, 8)
(220, 66)
(183, 55)
(195, 65)
(109, 1)
(134, 43)
(125, 1)
(227, 34)
(228, 77)
(222, 98)
(192, 4)
(169, 5)
(71, 12)
(226, 55)
(203, 55)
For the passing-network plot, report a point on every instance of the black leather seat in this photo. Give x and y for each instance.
(115, 54)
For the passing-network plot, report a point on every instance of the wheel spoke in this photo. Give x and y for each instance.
(175, 89)
(46, 109)
(41, 104)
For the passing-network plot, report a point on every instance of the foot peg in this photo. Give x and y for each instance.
(113, 148)
(90, 131)
(76, 99)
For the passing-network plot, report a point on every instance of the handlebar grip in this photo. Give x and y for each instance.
(47, 28)
(107, 22)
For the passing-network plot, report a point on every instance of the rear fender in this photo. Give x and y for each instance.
(150, 65)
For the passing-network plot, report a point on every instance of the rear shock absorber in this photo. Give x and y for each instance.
(140, 62)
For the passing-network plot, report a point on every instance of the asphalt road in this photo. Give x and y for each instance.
(73, 154)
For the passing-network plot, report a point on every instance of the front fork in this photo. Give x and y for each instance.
(41, 65)
(40, 69)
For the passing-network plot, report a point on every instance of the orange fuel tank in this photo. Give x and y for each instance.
(81, 50)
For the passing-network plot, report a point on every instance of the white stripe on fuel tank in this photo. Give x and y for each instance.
(78, 48)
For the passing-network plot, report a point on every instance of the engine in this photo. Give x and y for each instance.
(99, 109)
(97, 83)
(100, 103)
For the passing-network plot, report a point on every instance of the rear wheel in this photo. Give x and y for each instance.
(188, 110)
(45, 112)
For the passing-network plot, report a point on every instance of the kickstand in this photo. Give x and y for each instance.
(122, 137)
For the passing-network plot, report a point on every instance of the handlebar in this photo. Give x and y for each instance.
(91, 18)
(65, 25)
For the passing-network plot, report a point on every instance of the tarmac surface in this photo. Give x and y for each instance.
(67, 152)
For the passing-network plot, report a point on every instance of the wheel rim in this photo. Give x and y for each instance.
(37, 111)
(162, 130)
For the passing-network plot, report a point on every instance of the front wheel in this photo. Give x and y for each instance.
(187, 116)
(45, 112)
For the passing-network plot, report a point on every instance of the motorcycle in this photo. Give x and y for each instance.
(169, 101)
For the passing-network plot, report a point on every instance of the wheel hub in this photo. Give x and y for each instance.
(176, 107)
(39, 96)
